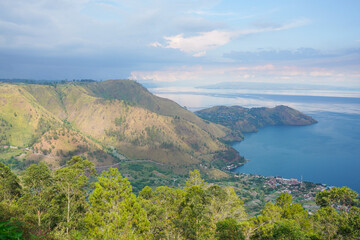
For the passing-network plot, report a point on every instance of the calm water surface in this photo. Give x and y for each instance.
(327, 152)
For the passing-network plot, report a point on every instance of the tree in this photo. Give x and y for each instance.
(343, 198)
(9, 231)
(115, 212)
(9, 184)
(293, 211)
(195, 179)
(224, 203)
(10, 191)
(284, 200)
(71, 181)
(288, 230)
(228, 229)
(162, 207)
(249, 228)
(349, 227)
(267, 219)
(194, 215)
(326, 222)
(37, 198)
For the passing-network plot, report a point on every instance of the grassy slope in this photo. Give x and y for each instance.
(48, 97)
(142, 134)
(133, 92)
(83, 118)
(22, 113)
(30, 117)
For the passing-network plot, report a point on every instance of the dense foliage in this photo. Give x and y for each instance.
(70, 203)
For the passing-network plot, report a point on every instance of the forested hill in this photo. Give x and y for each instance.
(45, 204)
(104, 121)
(245, 120)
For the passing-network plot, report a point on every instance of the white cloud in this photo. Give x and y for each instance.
(199, 54)
(155, 44)
(93, 26)
(194, 75)
(258, 67)
(198, 45)
(322, 73)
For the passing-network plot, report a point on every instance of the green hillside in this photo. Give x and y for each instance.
(244, 120)
(98, 119)
(134, 93)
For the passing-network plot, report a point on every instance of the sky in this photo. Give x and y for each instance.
(188, 42)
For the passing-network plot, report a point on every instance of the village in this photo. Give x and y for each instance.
(255, 190)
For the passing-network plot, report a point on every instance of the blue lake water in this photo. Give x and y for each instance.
(327, 152)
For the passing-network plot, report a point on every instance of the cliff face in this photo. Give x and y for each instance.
(245, 120)
(94, 119)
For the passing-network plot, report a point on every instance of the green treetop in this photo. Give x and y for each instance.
(71, 181)
(9, 184)
(37, 182)
(115, 212)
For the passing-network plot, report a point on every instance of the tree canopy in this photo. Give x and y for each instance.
(70, 203)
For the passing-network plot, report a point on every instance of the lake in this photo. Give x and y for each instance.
(327, 152)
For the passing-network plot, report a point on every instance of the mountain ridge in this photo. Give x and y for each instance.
(91, 118)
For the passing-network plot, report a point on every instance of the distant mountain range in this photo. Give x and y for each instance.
(272, 86)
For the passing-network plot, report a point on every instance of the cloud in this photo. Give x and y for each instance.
(200, 43)
(197, 75)
(80, 26)
(258, 67)
(274, 27)
(340, 59)
(266, 55)
(110, 39)
(155, 44)
(208, 13)
(199, 54)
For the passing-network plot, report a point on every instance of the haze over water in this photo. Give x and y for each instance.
(327, 152)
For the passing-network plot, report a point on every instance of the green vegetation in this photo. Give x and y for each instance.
(243, 120)
(9, 184)
(153, 143)
(69, 203)
(4, 129)
(115, 212)
(60, 120)
(9, 231)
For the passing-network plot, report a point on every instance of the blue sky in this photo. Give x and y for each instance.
(189, 42)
